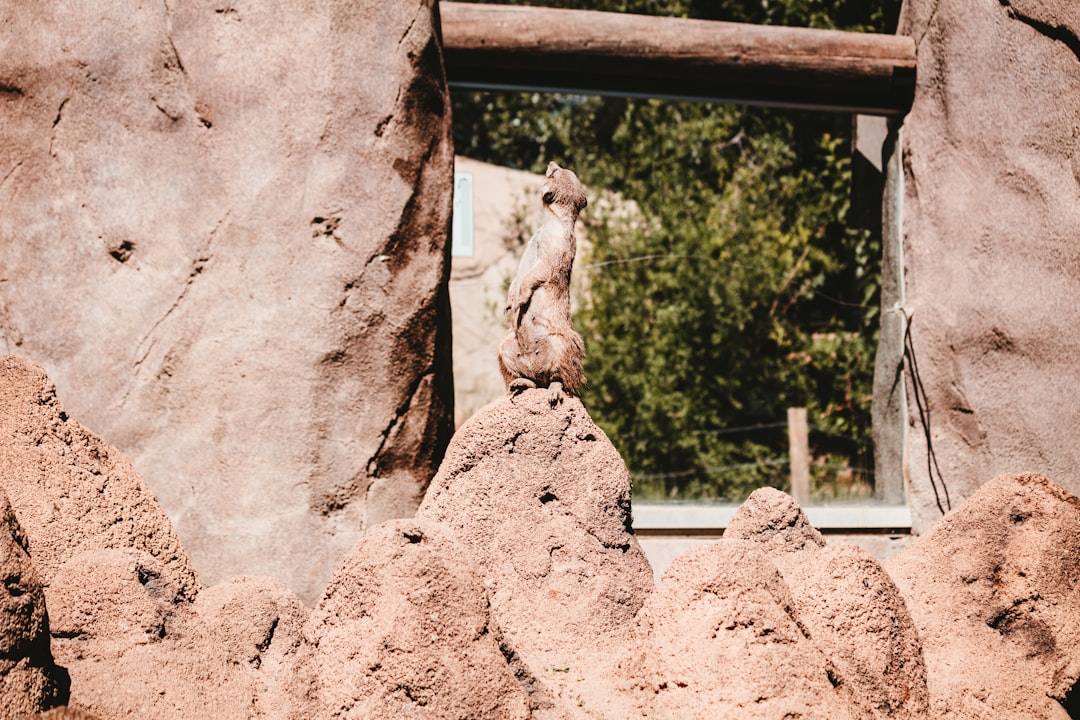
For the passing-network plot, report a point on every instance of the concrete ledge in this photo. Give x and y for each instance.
(672, 519)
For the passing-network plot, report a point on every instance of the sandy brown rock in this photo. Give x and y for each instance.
(993, 592)
(258, 623)
(540, 499)
(73, 492)
(29, 680)
(991, 203)
(773, 518)
(224, 237)
(64, 713)
(721, 637)
(846, 602)
(134, 645)
(857, 619)
(250, 615)
(404, 631)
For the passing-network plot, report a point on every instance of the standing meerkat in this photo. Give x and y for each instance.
(541, 347)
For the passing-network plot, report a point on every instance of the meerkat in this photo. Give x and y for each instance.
(541, 347)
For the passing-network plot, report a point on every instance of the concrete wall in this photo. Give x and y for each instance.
(990, 252)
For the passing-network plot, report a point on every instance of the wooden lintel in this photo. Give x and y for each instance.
(581, 51)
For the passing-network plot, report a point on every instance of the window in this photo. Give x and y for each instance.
(736, 226)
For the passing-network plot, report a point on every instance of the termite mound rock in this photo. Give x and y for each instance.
(848, 605)
(131, 641)
(404, 630)
(721, 637)
(72, 491)
(770, 621)
(29, 680)
(993, 590)
(539, 498)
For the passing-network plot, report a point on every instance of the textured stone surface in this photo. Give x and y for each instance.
(223, 235)
(29, 680)
(721, 637)
(994, 590)
(858, 620)
(404, 631)
(133, 645)
(773, 519)
(992, 266)
(766, 622)
(541, 500)
(64, 713)
(846, 603)
(72, 491)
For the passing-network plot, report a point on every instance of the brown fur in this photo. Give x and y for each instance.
(541, 347)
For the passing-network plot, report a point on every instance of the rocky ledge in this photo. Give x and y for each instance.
(519, 591)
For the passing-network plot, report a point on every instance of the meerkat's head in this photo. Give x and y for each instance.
(562, 189)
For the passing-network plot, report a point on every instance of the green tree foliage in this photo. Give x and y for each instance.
(739, 289)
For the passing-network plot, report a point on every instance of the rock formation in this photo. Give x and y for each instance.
(72, 492)
(29, 680)
(994, 591)
(771, 622)
(540, 499)
(521, 592)
(991, 203)
(223, 234)
(403, 631)
(846, 603)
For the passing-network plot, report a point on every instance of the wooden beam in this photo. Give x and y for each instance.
(515, 47)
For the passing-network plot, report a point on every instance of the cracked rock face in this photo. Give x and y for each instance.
(223, 235)
(991, 207)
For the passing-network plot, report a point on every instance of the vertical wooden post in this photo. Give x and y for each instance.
(799, 454)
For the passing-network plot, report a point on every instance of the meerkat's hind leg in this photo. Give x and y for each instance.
(555, 393)
(520, 385)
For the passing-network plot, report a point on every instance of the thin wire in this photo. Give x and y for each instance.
(744, 428)
(729, 263)
(642, 258)
(922, 403)
(845, 303)
(712, 470)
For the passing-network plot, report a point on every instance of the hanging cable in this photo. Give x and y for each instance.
(922, 403)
